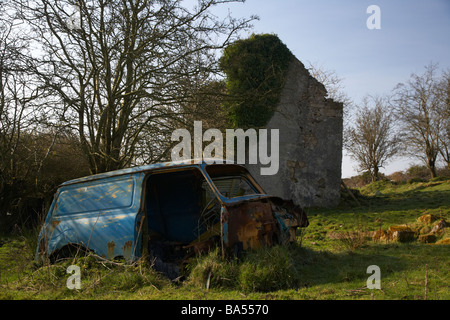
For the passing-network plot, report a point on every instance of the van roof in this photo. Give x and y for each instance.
(190, 162)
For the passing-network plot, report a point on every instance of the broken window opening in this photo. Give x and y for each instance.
(234, 186)
(233, 181)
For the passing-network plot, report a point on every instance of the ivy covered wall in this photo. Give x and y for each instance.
(255, 70)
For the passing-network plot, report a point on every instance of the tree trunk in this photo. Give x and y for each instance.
(432, 168)
(374, 173)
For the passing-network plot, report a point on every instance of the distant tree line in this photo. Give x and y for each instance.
(413, 121)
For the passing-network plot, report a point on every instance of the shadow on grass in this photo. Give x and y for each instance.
(421, 200)
(414, 199)
(325, 267)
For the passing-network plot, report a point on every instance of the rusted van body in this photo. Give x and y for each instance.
(168, 211)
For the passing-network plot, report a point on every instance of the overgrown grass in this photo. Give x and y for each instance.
(264, 270)
(24, 279)
(331, 263)
(210, 271)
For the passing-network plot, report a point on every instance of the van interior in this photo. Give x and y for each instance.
(175, 202)
(182, 209)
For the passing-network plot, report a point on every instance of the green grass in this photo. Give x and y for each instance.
(330, 263)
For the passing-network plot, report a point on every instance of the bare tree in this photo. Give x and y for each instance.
(23, 152)
(418, 105)
(332, 82)
(118, 69)
(443, 133)
(372, 141)
(14, 108)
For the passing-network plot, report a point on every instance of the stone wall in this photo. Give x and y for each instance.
(310, 130)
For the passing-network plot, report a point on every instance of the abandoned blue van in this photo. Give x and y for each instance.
(167, 212)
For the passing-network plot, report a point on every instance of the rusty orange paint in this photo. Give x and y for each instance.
(55, 223)
(127, 249)
(251, 224)
(111, 246)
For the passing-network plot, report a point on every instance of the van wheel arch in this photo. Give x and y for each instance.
(69, 250)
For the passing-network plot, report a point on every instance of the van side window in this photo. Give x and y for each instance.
(96, 197)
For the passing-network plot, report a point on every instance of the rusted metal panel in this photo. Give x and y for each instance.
(252, 225)
(257, 221)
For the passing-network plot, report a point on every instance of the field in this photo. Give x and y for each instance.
(329, 262)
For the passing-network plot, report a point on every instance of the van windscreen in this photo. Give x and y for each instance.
(231, 180)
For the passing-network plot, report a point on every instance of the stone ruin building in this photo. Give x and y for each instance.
(310, 150)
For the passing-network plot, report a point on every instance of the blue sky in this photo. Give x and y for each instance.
(333, 34)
